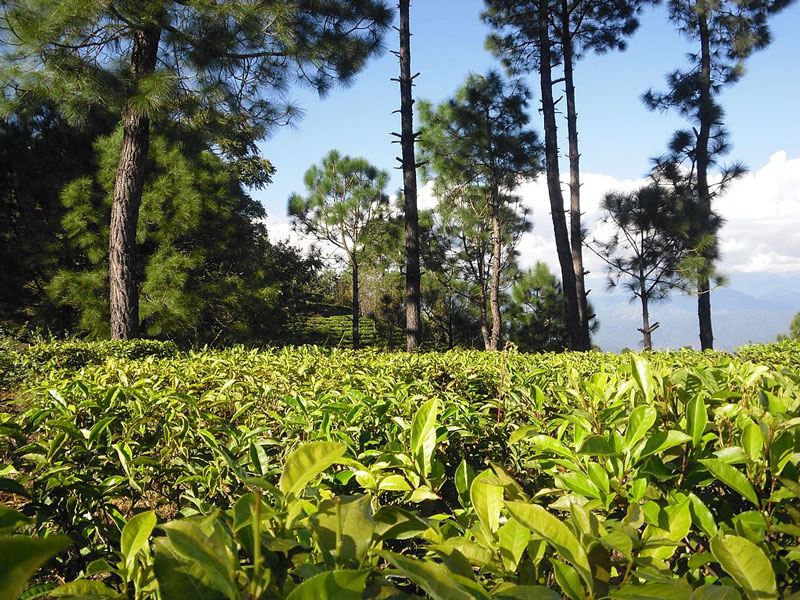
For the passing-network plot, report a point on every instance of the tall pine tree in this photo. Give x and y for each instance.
(543, 35)
(478, 142)
(725, 34)
(222, 66)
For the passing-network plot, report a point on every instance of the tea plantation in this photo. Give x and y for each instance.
(136, 471)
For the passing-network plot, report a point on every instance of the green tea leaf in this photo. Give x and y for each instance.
(696, 419)
(556, 533)
(664, 440)
(569, 580)
(487, 499)
(716, 592)
(21, 557)
(423, 435)
(304, 464)
(639, 423)
(747, 564)
(331, 585)
(731, 477)
(753, 441)
(437, 581)
(84, 589)
(343, 527)
(596, 445)
(641, 374)
(513, 537)
(136, 533)
(653, 590)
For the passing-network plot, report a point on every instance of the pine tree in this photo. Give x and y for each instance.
(207, 270)
(540, 35)
(478, 142)
(40, 153)
(726, 33)
(409, 166)
(221, 66)
(535, 317)
(346, 199)
(645, 252)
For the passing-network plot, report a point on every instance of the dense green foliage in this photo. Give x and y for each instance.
(451, 475)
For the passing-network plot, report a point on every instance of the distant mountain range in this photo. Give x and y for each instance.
(755, 307)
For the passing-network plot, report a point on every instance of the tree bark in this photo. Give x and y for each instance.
(127, 198)
(576, 235)
(356, 307)
(553, 179)
(647, 339)
(494, 282)
(705, 118)
(413, 291)
(487, 342)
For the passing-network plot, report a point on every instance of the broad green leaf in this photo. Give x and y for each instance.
(521, 433)
(395, 523)
(512, 537)
(747, 564)
(731, 477)
(423, 435)
(641, 374)
(178, 578)
(596, 445)
(696, 419)
(599, 477)
(331, 585)
(475, 553)
(716, 592)
(487, 500)
(664, 440)
(85, 589)
(509, 591)
(546, 443)
(702, 516)
(463, 480)
(189, 543)
(653, 590)
(99, 428)
(21, 557)
(677, 521)
(753, 441)
(568, 579)
(437, 581)
(343, 527)
(304, 464)
(581, 484)
(136, 533)
(258, 458)
(639, 423)
(10, 519)
(556, 533)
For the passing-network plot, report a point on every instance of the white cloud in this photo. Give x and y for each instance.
(761, 234)
(762, 210)
(762, 213)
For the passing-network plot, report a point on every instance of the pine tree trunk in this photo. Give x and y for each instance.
(127, 198)
(576, 235)
(413, 291)
(705, 117)
(494, 283)
(647, 340)
(356, 307)
(553, 180)
(487, 342)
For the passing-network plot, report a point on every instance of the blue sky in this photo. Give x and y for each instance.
(761, 239)
(618, 135)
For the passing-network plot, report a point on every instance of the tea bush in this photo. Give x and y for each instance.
(312, 473)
